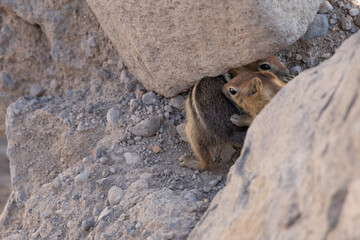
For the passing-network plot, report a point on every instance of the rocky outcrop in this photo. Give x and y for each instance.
(169, 46)
(47, 47)
(299, 173)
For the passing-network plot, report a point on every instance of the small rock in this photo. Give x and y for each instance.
(317, 28)
(20, 198)
(167, 172)
(104, 74)
(227, 153)
(105, 173)
(104, 160)
(132, 158)
(81, 178)
(115, 195)
(190, 197)
(92, 42)
(86, 225)
(112, 170)
(156, 149)
(104, 213)
(56, 183)
(103, 183)
(147, 127)
(113, 115)
(168, 236)
(295, 70)
(298, 57)
(357, 21)
(81, 127)
(213, 183)
(124, 77)
(6, 81)
(120, 64)
(333, 21)
(35, 90)
(177, 102)
(326, 55)
(168, 109)
(100, 152)
(325, 7)
(54, 84)
(353, 12)
(345, 24)
(181, 130)
(87, 161)
(149, 98)
(140, 184)
(171, 129)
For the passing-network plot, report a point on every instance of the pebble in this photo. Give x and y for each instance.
(177, 102)
(181, 130)
(298, 57)
(295, 70)
(56, 183)
(227, 153)
(86, 225)
(100, 152)
(354, 12)
(168, 109)
(345, 24)
(140, 184)
(156, 149)
(357, 21)
(105, 212)
(124, 77)
(115, 195)
(333, 21)
(112, 170)
(325, 7)
(81, 178)
(81, 127)
(104, 74)
(132, 158)
(167, 172)
(105, 173)
(147, 127)
(87, 161)
(317, 28)
(92, 42)
(149, 98)
(20, 198)
(190, 197)
(35, 90)
(113, 115)
(104, 160)
(120, 64)
(7, 81)
(213, 183)
(326, 55)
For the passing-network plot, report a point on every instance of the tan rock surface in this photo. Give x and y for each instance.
(299, 172)
(169, 45)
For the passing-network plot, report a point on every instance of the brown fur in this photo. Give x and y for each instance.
(250, 92)
(208, 124)
(276, 67)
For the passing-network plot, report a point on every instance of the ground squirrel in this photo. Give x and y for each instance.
(269, 64)
(208, 124)
(250, 92)
(213, 121)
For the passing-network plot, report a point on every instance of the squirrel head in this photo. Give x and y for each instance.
(251, 91)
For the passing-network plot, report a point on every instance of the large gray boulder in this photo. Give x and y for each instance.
(299, 173)
(169, 45)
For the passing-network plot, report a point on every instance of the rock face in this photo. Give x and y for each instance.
(169, 46)
(49, 46)
(299, 173)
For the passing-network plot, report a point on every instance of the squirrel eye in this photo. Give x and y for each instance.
(232, 91)
(265, 66)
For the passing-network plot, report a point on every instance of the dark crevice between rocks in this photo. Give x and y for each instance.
(5, 183)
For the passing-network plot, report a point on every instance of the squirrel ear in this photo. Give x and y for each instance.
(255, 86)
